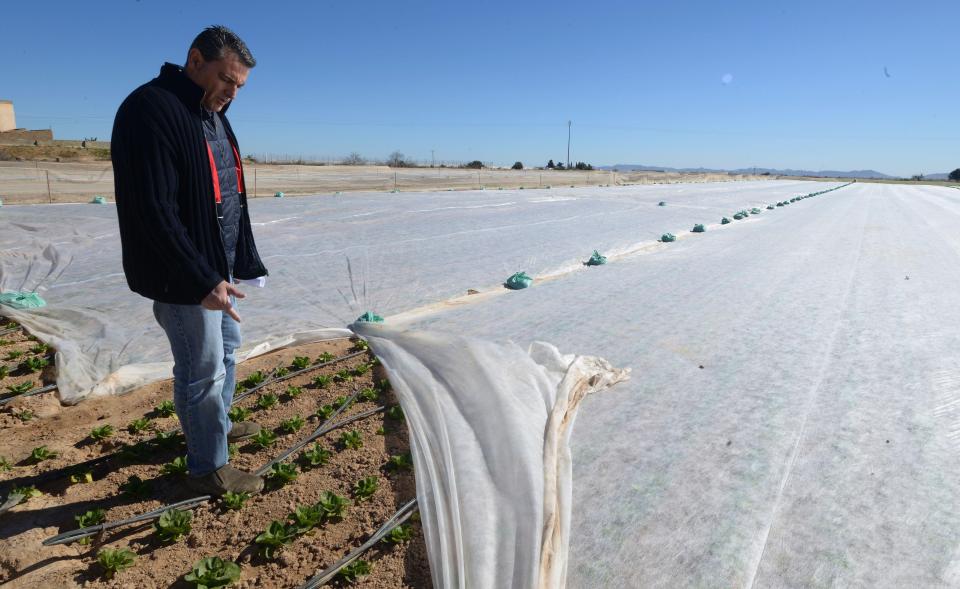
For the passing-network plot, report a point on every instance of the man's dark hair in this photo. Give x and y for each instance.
(214, 43)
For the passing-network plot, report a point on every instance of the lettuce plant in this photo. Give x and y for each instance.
(316, 456)
(41, 453)
(115, 560)
(138, 425)
(165, 408)
(234, 501)
(283, 473)
(135, 488)
(365, 488)
(176, 467)
(400, 534)
(101, 433)
(238, 414)
(276, 536)
(264, 439)
(353, 571)
(173, 525)
(267, 401)
(213, 572)
(300, 362)
(332, 505)
(351, 439)
(292, 425)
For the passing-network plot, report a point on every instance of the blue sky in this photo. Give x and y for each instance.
(682, 83)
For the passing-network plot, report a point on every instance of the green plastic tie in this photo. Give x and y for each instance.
(518, 281)
(22, 300)
(596, 259)
(370, 317)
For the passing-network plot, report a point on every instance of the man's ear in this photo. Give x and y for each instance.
(194, 59)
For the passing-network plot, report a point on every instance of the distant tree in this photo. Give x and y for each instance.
(917, 177)
(955, 175)
(474, 165)
(355, 159)
(583, 166)
(551, 165)
(396, 160)
(560, 166)
(517, 166)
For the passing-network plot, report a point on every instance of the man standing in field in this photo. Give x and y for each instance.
(186, 237)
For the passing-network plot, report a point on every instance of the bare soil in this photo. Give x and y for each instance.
(216, 531)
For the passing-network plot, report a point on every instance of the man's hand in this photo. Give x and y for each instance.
(219, 299)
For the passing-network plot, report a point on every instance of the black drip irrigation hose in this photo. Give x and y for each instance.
(327, 427)
(327, 575)
(53, 474)
(249, 392)
(81, 533)
(37, 391)
(10, 330)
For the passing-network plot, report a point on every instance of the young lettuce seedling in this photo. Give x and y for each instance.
(325, 357)
(264, 439)
(400, 462)
(14, 354)
(353, 571)
(213, 572)
(316, 456)
(277, 535)
(27, 491)
(300, 362)
(135, 488)
(307, 517)
(292, 425)
(115, 560)
(325, 412)
(400, 534)
(41, 453)
(168, 440)
(361, 345)
(344, 375)
(238, 414)
(34, 364)
(173, 525)
(5, 464)
(282, 473)
(101, 433)
(40, 349)
(82, 477)
(332, 505)
(294, 392)
(234, 501)
(351, 439)
(267, 401)
(365, 488)
(165, 408)
(281, 372)
(322, 381)
(395, 412)
(90, 518)
(18, 389)
(176, 467)
(369, 394)
(138, 425)
(4, 371)
(254, 379)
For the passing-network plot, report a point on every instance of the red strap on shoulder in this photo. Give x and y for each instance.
(236, 156)
(216, 176)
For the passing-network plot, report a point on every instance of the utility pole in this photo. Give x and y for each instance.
(433, 160)
(568, 143)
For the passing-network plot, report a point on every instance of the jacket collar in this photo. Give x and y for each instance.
(175, 79)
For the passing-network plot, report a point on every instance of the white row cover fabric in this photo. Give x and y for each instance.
(793, 415)
(490, 425)
(333, 257)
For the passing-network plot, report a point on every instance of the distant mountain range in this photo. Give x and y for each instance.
(771, 171)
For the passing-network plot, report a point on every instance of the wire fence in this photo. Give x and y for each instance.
(52, 182)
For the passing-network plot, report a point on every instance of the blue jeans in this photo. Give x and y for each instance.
(204, 345)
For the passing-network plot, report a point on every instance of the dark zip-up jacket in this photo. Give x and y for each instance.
(172, 248)
(222, 151)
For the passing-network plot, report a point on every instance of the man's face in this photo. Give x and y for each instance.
(220, 79)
